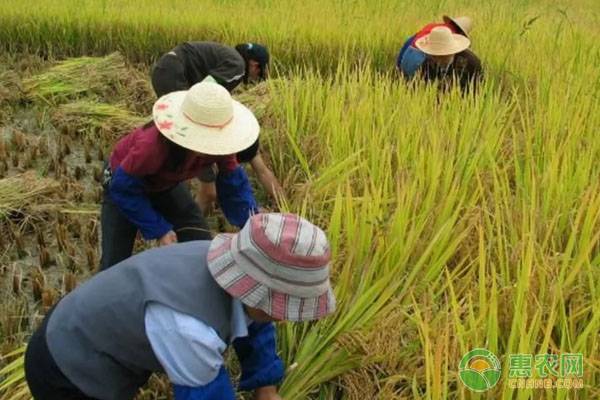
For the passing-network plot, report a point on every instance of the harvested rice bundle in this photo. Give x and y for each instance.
(10, 92)
(137, 94)
(10, 86)
(256, 98)
(21, 192)
(107, 121)
(76, 76)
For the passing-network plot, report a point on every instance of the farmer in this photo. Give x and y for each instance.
(411, 58)
(145, 186)
(444, 56)
(176, 309)
(191, 62)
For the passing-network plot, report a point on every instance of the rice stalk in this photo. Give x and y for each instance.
(96, 120)
(11, 89)
(25, 192)
(257, 98)
(12, 383)
(74, 77)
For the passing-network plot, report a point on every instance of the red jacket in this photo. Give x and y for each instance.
(143, 154)
(427, 29)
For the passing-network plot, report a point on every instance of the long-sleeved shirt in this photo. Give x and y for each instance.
(191, 352)
(465, 68)
(144, 153)
(139, 165)
(201, 59)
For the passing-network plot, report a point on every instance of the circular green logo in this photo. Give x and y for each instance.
(479, 370)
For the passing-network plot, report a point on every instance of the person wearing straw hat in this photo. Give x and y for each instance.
(145, 181)
(176, 309)
(191, 62)
(410, 58)
(448, 59)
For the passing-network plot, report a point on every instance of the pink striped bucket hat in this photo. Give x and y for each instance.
(278, 263)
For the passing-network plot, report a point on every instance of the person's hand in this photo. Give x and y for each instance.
(267, 393)
(167, 239)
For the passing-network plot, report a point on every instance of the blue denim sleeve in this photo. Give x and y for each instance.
(219, 389)
(257, 353)
(235, 196)
(403, 50)
(411, 61)
(127, 192)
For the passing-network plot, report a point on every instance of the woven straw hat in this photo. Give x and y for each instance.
(442, 42)
(205, 119)
(464, 24)
(278, 263)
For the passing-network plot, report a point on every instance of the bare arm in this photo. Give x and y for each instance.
(207, 192)
(266, 178)
(267, 393)
(206, 197)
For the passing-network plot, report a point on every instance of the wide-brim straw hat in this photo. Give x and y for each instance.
(205, 119)
(464, 24)
(278, 263)
(442, 42)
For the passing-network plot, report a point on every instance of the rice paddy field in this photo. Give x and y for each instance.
(456, 221)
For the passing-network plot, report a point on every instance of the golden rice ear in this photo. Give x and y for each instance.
(49, 297)
(39, 236)
(3, 151)
(44, 258)
(70, 259)
(69, 282)
(91, 234)
(61, 237)
(38, 283)
(90, 255)
(19, 243)
(17, 280)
